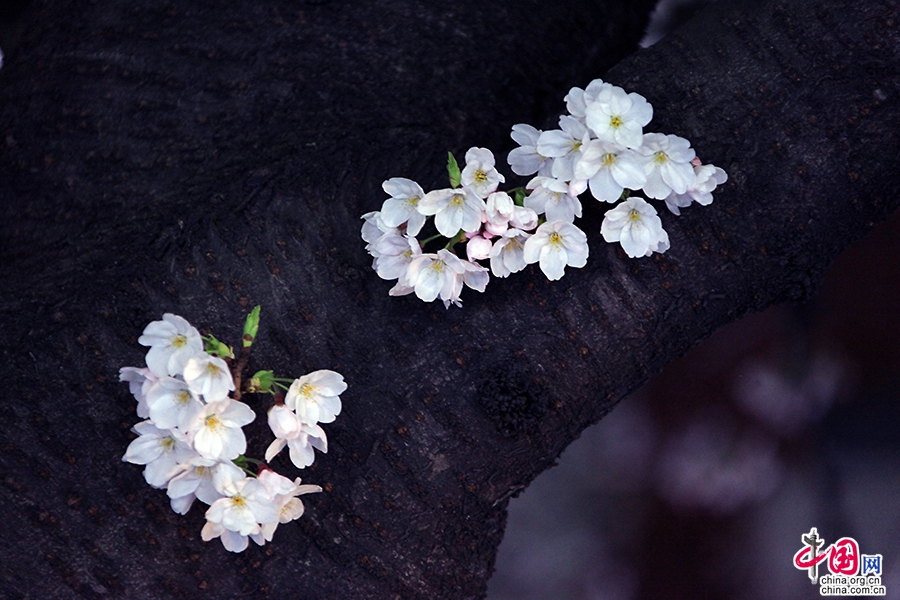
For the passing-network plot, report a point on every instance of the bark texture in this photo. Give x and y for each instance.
(202, 158)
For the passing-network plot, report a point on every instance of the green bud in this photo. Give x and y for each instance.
(263, 382)
(213, 346)
(453, 170)
(251, 326)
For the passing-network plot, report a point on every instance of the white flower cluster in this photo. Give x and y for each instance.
(600, 145)
(192, 441)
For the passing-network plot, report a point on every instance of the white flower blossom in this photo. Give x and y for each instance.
(479, 174)
(284, 494)
(434, 275)
(577, 100)
(507, 254)
(208, 376)
(618, 117)
(243, 509)
(708, 178)
(474, 276)
(172, 404)
(610, 170)
(551, 197)
(194, 481)
(453, 209)
(667, 163)
(394, 253)
(400, 208)
(316, 396)
(139, 383)
(162, 450)
(216, 430)
(374, 229)
(300, 443)
(526, 160)
(173, 342)
(635, 225)
(555, 245)
(564, 146)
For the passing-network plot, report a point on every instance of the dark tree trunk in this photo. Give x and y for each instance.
(201, 158)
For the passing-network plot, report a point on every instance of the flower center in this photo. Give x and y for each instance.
(212, 422)
(481, 176)
(178, 341)
(513, 245)
(307, 390)
(168, 444)
(412, 201)
(212, 369)
(437, 266)
(660, 157)
(239, 502)
(615, 122)
(555, 239)
(183, 397)
(634, 215)
(457, 199)
(576, 146)
(609, 159)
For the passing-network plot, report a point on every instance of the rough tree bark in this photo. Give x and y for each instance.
(200, 158)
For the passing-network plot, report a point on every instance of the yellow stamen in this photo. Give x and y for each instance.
(213, 369)
(609, 159)
(660, 157)
(555, 239)
(615, 122)
(480, 176)
(178, 341)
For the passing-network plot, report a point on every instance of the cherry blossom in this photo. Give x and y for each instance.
(636, 226)
(667, 163)
(316, 396)
(600, 146)
(453, 209)
(619, 117)
(526, 160)
(400, 208)
(556, 244)
(208, 376)
(479, 175)
(173, 342)
(216, 430)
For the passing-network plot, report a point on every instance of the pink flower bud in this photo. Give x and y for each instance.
(478, 248)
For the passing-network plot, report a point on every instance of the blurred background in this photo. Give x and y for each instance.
(700, 484)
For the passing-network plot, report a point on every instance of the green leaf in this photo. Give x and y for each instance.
(251, 327)
(453, 170)
(519, 196)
